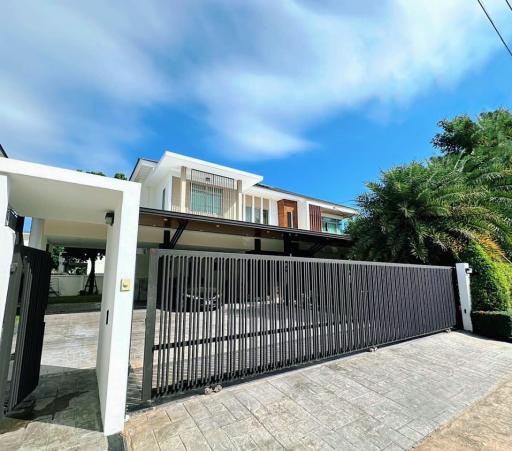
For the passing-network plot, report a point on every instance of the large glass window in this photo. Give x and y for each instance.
(163, 200)
(333, 225)
(257, 215)
(205, 199)
(289, 219)
(248, 213)
(265, 216)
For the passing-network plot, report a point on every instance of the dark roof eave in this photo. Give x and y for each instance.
(3, 152)
(244, 224)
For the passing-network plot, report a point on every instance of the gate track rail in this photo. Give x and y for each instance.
(217, 317)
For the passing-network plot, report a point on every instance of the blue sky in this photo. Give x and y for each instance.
(318, 97)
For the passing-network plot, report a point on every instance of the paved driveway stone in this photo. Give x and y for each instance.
(390, 399)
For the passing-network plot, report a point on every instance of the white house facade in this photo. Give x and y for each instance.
(182, 184)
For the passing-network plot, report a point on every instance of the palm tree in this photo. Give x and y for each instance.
(429, 213)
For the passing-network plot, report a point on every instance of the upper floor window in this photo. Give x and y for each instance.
(333, 225)
(205, 199)
(289, 219)
(256, 209)
(248, 213)
(163, 199)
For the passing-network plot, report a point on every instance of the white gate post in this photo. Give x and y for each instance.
(6, 245)
(463, 274)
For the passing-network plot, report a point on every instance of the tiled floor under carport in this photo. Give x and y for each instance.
(390, 399)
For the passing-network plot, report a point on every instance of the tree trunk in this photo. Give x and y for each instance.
(92, 277)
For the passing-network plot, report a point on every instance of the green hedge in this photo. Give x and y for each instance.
(493, 324)
(489, 285)
(506, 269)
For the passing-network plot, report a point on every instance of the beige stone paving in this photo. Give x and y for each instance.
(390, 399)
(487, 425)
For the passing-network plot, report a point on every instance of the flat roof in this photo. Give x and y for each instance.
(171, 219)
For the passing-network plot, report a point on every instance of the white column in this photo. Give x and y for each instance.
(183, 190)
(239, 201)
(168, 194)
(273, 213)
(37, 238)
(6, 245)
(261, 210)
(463, 275)
(303, 215)
(116, 312)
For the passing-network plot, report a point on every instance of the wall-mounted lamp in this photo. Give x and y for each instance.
(109, 218)
(469, 270)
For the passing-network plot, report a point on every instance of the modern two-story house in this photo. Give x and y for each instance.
(196, 197)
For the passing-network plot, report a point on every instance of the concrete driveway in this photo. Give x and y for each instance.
(390, 399)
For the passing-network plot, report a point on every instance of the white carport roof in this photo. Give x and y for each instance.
(73, 203)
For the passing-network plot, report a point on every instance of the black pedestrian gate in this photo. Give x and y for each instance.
(28, 296)
(215, 317)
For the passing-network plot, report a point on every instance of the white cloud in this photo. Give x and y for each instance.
(78, 77)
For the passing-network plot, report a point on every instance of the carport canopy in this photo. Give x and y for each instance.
(79, 202)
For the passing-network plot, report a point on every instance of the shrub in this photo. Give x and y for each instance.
(493, 324)
(506, 269)
(489, 287)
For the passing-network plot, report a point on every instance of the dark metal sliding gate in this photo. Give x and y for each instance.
(219, 317)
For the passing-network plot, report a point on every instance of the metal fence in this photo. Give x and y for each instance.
(218, 317)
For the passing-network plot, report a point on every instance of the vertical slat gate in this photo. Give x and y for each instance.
(214, 317)
(28, 290)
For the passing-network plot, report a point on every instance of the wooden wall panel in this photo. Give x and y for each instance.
(315, 218)
(284, 206)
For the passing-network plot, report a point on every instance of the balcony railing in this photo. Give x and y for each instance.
(209, 194)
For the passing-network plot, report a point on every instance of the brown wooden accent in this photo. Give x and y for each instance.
(284, 207)
(315, 218)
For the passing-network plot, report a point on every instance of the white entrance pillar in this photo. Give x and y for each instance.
(463, 274)
(6, 245)
(37, 237)
(116, 311)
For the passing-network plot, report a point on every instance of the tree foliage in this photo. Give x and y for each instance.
(83, 255)
(462, 135)
(429, 212)
(452, 207)
(117, 175)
